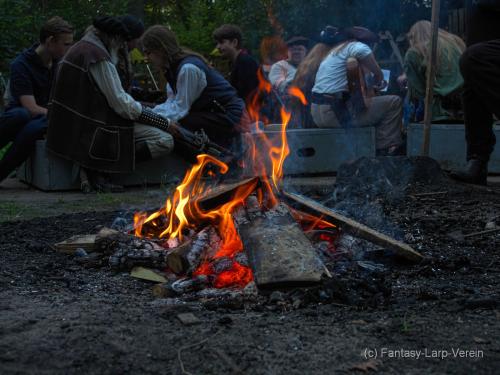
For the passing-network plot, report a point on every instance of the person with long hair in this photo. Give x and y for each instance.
(332, 103)
(202, 98)
(448, 82)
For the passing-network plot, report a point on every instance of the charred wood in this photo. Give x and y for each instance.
(355, 228)
(278, 251)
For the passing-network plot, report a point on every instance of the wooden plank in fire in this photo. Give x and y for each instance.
(355, 228)
(279, 253)
(223, 193)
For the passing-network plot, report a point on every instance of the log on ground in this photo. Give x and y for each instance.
(279, 253)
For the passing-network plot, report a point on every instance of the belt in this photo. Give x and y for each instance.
(329, 98)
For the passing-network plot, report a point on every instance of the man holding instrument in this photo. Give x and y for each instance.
(335, 103)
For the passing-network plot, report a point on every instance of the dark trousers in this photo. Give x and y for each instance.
(480, 67)
(17, 126)
(217, 126)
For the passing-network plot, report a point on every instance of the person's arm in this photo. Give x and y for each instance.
(277, 77)
(29, 102)
(190, 84)
(107, 80)
(21, 87)
(372, 66)
(415, 74)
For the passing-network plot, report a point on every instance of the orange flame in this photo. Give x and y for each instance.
(296, 92)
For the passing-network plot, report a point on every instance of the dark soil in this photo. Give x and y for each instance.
(57, 317)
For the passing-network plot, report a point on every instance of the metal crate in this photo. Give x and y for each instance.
(49, 172)
(320, 151)
(448, 145)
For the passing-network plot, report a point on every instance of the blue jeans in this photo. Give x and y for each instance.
(17, 126)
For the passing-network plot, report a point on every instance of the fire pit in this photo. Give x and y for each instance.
(210, 235)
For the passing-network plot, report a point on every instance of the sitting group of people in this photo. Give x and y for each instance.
(79, 94)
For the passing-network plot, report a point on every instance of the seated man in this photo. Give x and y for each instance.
(283, 72)
(333, 105)
(243, 76)
(25, 119)
(94, 124)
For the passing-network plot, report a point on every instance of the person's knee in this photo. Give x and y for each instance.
(20, 115)
(35, 129)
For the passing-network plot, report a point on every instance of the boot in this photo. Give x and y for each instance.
(476, 172)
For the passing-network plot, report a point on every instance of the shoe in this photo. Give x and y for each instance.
(101, 183)
(476, 172)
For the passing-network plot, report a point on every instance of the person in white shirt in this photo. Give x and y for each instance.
(331, 102)
(283, 72)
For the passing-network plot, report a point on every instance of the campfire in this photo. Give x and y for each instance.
(229, 235)
(212, 235)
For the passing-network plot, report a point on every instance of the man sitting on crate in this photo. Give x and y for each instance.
(92, 120)
(339, 96)
(25, 118)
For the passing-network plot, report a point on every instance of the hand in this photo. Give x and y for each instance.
(380, 86)
(403, 81)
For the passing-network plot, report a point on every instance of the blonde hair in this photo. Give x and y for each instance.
(306, 72)
(419, 38)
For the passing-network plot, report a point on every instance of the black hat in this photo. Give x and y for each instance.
(112, 26)
(298, 41)
(134, 26)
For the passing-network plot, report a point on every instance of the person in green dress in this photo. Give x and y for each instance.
(448, 82)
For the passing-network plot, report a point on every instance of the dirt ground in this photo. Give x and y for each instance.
(57, 317)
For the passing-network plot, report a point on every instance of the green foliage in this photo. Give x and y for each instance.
(195, 20)
(20, 20)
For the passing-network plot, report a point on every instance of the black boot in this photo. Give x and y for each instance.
(476, 172)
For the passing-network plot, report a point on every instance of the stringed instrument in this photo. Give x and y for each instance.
(358, 89)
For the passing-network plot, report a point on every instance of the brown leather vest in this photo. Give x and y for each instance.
(82, 126)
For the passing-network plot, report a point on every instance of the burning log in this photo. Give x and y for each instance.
(356, 229)
(186, 258)
(224, 193)
(278, 251)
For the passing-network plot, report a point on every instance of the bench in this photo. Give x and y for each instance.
(320, 151)
(49, 172)
(448, 145)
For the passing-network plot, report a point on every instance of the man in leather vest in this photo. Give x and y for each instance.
(92, 120)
